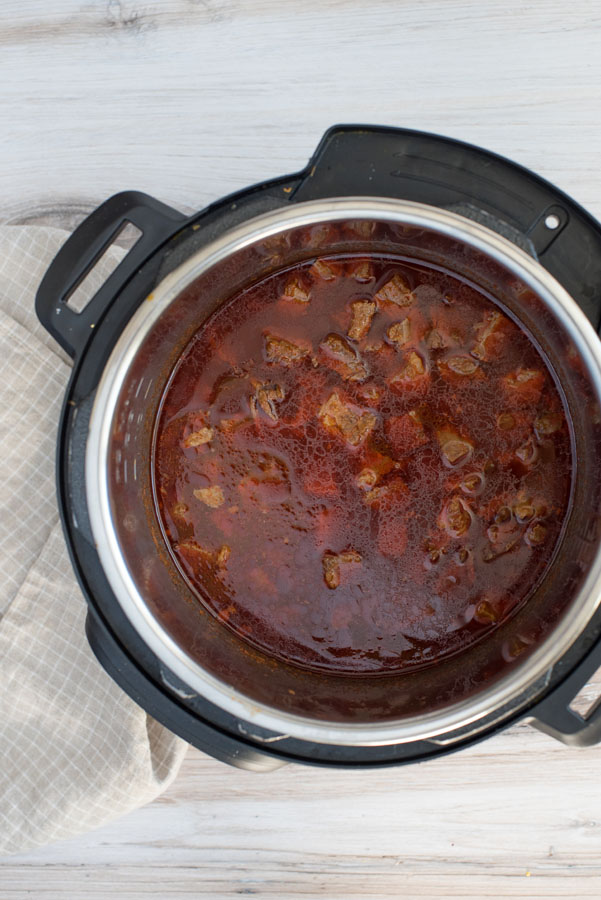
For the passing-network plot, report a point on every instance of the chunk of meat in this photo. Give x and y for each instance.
(279, 350)
(473, 484)
(265, 398)
(506, 421)
(491, 335)
(374, 346)
(395, 291)
(524, 510)
(528, 453)
(435, 340)
(454, 448)
(197, 438)
(196, 555)
(363, 312)
(370, 392)
(521, 507)
(505, 531)
(228, 396)
(347, 420)
(331, 565)
(223, 554)
(455, 517)
(211, 496)
(547, 423)
(499, 548)
(180, 511)
(327, 270)
(375, 465)
(459, 369)
(363, 271)
(296, 291)
(486, 613)
(405, 433)
(388, 497)
(399, 332)
(462, 365)
(344, 359)
(536, 534)
(448, 326)
(523, 387)
(412, 377)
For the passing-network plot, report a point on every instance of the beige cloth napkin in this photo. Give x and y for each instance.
(75, 751)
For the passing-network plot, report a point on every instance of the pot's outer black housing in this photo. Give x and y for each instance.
(350, 160)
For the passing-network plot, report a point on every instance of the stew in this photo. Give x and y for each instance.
(362, 465)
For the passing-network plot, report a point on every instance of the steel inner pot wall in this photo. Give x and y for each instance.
(211, 659)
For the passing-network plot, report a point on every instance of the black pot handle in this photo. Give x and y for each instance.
(554, 716)
(380, 161)
(82, 250)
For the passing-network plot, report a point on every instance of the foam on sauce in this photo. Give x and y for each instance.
(362, 465)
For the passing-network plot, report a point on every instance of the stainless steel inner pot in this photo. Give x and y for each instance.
(498, 673)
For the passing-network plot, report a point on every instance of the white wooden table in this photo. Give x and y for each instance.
(188, 100)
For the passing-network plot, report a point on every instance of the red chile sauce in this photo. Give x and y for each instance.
(362, 465)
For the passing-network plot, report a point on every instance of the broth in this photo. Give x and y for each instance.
(362, 465)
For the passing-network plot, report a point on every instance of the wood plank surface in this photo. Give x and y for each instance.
(192, 99)
(517, 816)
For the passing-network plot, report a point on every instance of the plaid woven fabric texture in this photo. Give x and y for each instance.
(76, 751)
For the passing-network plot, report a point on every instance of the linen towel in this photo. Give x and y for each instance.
(75, 751)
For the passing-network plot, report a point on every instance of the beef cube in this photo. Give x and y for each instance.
(279, 350)
(399, 333)
(413, 375)
(395, 291)
(197, 438)
(486, 614)
(473, 483)
(491, 335)
(265, 398)
(455, 449)
(547, 423)
(524, 511)
(523, 387)
(344, 359)
(372, 393)
(199, 557)
(362, 313)
(327, 270)
(222, 556)
(374, 466)
(211, 496)
(331, 565)
(455, 517)
(347, 420)
(388, 497)
(536, 534)
(528, 453)
(459, 369)
(363, 271)
(296, 292)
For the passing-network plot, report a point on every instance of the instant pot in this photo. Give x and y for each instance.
(405, 193)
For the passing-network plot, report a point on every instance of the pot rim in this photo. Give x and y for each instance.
(505, 693)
